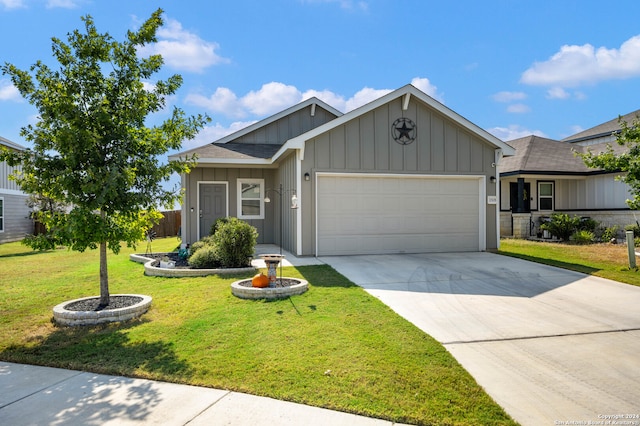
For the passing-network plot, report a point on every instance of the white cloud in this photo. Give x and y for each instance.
(327, 96)
(275, 96)
(508, 96)
(183, 50)
(223, 101)
(344, 4)
(212, 133)
(271, 97)
(575, 65)
(9, 92)
(425, 85)
(64, 4)
(518, 108)
(363, 97)
(557, 93)
(513, 131)
(12, 4)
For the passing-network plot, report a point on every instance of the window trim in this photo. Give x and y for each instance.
(552, 196)
(239, 184)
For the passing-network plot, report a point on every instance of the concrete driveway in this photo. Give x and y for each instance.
(550, 346)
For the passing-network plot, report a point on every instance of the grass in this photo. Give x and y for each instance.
(335, 346)
(603, 260)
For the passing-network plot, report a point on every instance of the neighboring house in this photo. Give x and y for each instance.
(15, 215)
(402, 174)
(546, 176)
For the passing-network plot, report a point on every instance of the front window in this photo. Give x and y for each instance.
(1, 215)
(251, 198)
(545, 196)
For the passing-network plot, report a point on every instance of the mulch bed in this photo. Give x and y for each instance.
(284, 282)
(173, 256)
(115, 302)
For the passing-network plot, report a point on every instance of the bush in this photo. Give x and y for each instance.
(204, 258)
(583, 237)
(635, 228)
(204, 242)
(561, 225)
(610, 233)
(217, 224)
(234, 243)
(588, 224)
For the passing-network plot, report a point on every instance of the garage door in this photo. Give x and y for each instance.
(358, 214)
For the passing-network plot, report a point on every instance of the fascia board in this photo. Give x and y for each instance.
(8, 143)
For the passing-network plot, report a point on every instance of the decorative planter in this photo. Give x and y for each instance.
(167, 264)
(63, 316)
(244, 289)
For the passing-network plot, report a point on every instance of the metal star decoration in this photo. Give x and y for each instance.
(403, 131)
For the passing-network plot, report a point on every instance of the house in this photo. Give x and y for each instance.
(15, 215)
(402, 174)
(546, 176)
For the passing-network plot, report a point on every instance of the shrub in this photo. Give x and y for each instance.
(610, 233)
(561, 225)
(204, 242)
(234, 243)
(217, 224)
(583, 237)
(588, 224)
(635, 228)
(204, 258)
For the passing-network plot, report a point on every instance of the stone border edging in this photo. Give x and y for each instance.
(154, 271)
(66, 317)
(268, 292)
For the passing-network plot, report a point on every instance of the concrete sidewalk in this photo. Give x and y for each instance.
(32, 395)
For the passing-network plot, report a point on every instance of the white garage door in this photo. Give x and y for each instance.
(359, 214)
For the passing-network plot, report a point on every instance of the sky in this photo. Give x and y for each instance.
(514, 68)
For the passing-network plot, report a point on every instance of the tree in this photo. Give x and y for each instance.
(92, 149)
(627, 162)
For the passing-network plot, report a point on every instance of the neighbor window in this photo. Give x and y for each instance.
(545, 196)
(1, 214)
(251, 198)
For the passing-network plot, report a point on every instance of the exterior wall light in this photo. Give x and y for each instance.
(493, 179)
(307, 176)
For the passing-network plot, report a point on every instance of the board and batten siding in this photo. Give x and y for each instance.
(230, 175)
(365, 145)
(288, 127)
(17, 220)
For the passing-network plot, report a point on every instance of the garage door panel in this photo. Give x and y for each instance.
(369, 215)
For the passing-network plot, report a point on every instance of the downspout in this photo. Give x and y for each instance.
(498, 157)
(299, 158)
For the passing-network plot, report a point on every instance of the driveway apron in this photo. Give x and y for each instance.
(551, 346)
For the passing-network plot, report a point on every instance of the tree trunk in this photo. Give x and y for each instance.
(104, 276)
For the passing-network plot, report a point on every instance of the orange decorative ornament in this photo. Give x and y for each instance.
(260, 280)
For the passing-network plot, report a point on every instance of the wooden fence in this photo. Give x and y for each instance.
(169, 225)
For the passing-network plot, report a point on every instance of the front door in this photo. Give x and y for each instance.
(213, 205)
(526, 197)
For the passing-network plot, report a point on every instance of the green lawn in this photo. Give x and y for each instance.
(334, 346)
(603, 260)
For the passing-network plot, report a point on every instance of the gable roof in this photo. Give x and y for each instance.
(604, 129)
(228, 151)
(406, 91)
(537, 155)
